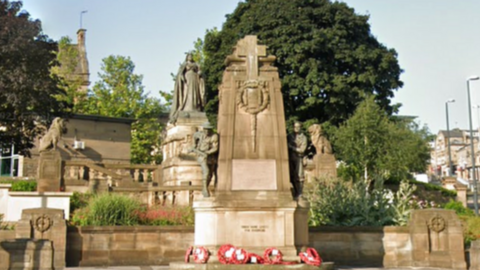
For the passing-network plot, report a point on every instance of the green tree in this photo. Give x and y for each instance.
(120, 93)
(27, 89)
(327, 57)
(376, 148)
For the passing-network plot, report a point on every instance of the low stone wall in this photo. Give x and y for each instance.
(149, 245)
(125, 245)
(363, 246)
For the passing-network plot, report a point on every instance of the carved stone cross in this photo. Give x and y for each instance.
(252, 51)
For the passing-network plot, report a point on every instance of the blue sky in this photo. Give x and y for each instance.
(438, 43)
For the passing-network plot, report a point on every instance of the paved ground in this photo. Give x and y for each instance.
(166, 267)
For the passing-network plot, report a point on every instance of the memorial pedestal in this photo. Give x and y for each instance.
(253, 221)
(180, 167)
(49, 171)
(325, 165)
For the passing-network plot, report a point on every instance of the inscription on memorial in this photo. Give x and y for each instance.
(254, 228)
(254, 174)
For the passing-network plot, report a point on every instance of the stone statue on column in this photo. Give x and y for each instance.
(189, 91)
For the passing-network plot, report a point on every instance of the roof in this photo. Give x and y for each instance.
(453, 133)
(100, 118)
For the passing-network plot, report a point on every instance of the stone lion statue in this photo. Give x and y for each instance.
(53, 135)
(321, 144)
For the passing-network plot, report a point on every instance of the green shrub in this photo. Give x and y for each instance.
(338, 203)
(80, 217)
(109, 209)
(459, 208)
(79, 200)
(24, 186)
(112, 209)
(20, 185)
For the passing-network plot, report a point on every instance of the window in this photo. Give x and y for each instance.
(9, 161)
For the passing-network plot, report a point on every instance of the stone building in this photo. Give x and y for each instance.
(460, 152)
(88, 138)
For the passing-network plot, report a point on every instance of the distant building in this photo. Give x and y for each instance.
(459, 149)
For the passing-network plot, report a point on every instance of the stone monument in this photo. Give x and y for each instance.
(45, 224)
(252, 206)
(179, 165)
(324, 160)
(50, 162)
(437, 239)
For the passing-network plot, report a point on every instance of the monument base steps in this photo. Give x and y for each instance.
(208, 266)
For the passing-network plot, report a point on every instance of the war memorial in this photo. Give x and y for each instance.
(250, 212)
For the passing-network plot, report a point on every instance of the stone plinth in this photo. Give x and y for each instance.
(47, 224)
(253, 221)
(26, 254)
(49, 171)
(325, 165)
(180, 167)
(252, 206)
(437, 239)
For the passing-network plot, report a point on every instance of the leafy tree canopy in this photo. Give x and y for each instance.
(27, 90)
(328, 59)
(120, 93)
(377, 148)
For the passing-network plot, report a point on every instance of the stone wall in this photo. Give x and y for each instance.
(147, 245)
(124, 245)
(363, 246)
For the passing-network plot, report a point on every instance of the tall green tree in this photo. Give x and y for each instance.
(120, 93)
(27, 89)
(376, 148)
(327, 58)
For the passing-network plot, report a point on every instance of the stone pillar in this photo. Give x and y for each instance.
(48, 224)
(461, 193)
(475, 255)
(437, 239)
(49, 171)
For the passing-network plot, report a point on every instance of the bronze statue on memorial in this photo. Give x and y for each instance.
(319, 141)
(297, 144)
(205, 146)
(53, 135)
(189, 91)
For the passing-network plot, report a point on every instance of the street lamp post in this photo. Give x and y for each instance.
(450, 165)
(475, 192)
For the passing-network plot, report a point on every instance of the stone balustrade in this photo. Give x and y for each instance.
(164, 195)
(100, 177)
